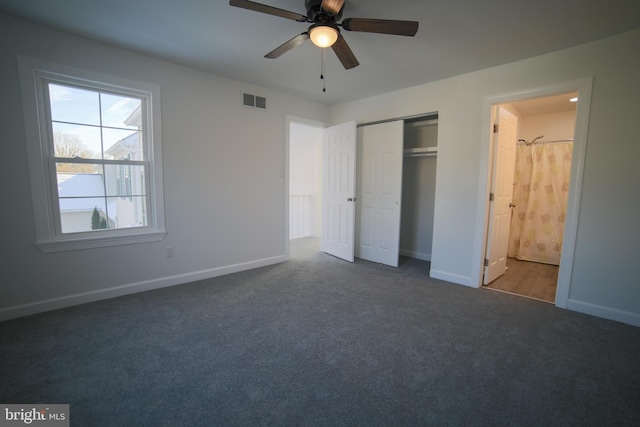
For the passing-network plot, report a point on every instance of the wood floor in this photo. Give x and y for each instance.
(529, 279)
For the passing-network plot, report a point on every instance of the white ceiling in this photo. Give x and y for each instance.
(455, 37)
(546, 105)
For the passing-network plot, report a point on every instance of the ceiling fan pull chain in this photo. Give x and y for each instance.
(323, 71)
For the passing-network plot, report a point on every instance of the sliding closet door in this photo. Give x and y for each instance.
(380, 150)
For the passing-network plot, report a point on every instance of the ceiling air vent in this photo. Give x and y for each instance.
(254, 101)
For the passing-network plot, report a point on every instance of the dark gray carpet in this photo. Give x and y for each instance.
(319, 341)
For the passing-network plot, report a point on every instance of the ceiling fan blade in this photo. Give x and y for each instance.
(332, 6)
(286, 47)
(270, 10)
(382, 26)
(344, 53)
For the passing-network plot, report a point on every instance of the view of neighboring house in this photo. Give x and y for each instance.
(113, 190)
(128, 209)
(75, 209)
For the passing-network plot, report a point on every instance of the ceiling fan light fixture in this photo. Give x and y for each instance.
(323, 35)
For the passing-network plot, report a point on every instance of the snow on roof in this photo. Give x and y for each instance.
(80, 187)
(129, 144)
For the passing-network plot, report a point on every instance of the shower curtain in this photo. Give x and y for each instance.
(541, 186)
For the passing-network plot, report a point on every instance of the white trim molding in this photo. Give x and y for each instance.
(604, 312)
(452, 277)
(131, 288)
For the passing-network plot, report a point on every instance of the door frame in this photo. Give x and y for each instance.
(289, 119)
(583, 87)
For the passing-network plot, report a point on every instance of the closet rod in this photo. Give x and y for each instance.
(433, 154)
(426, 116)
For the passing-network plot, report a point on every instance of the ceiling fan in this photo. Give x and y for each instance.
(324, 30)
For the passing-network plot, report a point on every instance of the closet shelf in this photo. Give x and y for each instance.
(420, 151)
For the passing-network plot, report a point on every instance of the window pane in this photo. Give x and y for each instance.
(79, 180)
(122, 144)
(125, 180)
(74, 105)
(127, 212)
(76, 141)
(82, 214)
(120, 111)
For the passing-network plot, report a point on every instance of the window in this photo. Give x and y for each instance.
(94, 157)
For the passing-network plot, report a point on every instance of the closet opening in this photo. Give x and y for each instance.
(418, 186)
(396, 177)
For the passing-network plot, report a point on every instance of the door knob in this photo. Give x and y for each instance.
(511, 205)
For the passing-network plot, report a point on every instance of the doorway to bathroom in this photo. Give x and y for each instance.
(533, 150)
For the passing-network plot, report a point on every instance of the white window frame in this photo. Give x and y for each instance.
(34, 77)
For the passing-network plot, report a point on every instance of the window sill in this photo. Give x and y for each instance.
(72, 244)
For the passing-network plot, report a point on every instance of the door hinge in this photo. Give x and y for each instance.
(486, 262)
(491, 197)
(495, 128)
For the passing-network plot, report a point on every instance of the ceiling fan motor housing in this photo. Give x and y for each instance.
(315, 12)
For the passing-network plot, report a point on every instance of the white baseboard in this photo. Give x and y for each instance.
(132, 288)
(605, 312)
(417, 255)
(453, 278)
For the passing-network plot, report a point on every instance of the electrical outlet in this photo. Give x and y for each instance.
(169, 251)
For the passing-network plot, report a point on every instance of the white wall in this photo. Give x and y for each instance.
(604, 279)
(224, 173)
(554, 126)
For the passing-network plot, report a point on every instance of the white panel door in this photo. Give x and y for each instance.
(339, 190)
(379, 192)
(504, 160)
